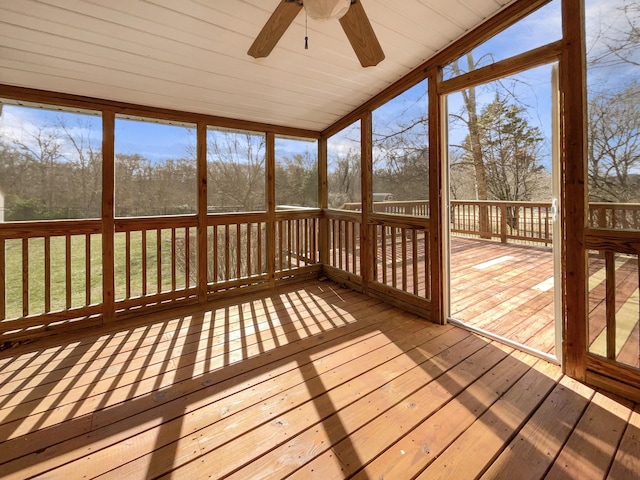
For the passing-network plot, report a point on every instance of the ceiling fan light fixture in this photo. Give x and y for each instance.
(326, 9)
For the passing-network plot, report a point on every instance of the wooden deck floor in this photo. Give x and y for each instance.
(506, 289)
(308, 381)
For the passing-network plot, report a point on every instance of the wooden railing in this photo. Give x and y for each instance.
(614, 285)
(51, 272)
(344, 242)
(507, 221)
(401, 255)
(522, 222)
(153, 261)
(236, 250)
(617, 216)
(297, 242)
(413, 208)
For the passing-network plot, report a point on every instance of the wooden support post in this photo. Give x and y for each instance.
(3, 276)
(108, 216)
(271, 208)
(573, 193)
(503, 222)
(366, 247)
(202, 251)
(434, 236)
(323, 202)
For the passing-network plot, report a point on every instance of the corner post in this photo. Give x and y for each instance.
(108, 216)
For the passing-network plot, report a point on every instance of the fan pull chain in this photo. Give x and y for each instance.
(306, 32)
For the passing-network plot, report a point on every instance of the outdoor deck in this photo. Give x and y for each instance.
(309, 380)
(507, 289)
(504, 288)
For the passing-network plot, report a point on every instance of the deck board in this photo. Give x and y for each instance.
(310, 380)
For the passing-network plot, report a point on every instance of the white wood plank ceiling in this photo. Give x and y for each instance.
(191, 55)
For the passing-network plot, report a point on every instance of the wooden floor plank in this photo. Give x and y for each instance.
(128, 381)
(474, 451)
(198, 336)
(316, 440)
(532, 452)
(288, 410)
(308, 380)
(416, 450)
(588, 452)
(192, 394)
(350, 455)
(626, 463)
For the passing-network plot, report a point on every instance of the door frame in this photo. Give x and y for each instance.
(557, 243)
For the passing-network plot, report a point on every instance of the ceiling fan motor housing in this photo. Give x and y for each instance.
(326, 9)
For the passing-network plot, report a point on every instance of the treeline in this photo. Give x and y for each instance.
(40, 183)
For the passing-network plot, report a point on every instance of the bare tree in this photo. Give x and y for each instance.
(614, 106)
(614, 145)
(87, 161)
(236, 170)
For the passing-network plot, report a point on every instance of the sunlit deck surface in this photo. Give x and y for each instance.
(307, 381)
(504, 288)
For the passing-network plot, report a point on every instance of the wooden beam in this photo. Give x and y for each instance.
(108, 215)
(90, 103)
(503, 19)
(510, 66)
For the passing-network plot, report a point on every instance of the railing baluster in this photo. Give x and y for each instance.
(187, 257)
(25, 277)
(403, 236)
(67, 269)
(87, 268)
(333, 242)
(414, 245)
(259, 227)
(249, 235)
(347, 247)
(215, 254)
(47, 274)
(427, 265)
(280, 233)
(238, 251)
(610, 303)
(3, 280)
(384, 254)
(159, 260)
(174, 281)
(340, 241)
(355, 233)
(393, 257)
(144, 261)
(227, 253)
(127, 261)
(289, 243)
(298, 251)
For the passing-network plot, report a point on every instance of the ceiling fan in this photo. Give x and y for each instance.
(351, 14)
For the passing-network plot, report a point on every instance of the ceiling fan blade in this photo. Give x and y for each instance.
(275, 27)
(356, 25)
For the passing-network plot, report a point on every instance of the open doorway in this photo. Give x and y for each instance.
(502, 226)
